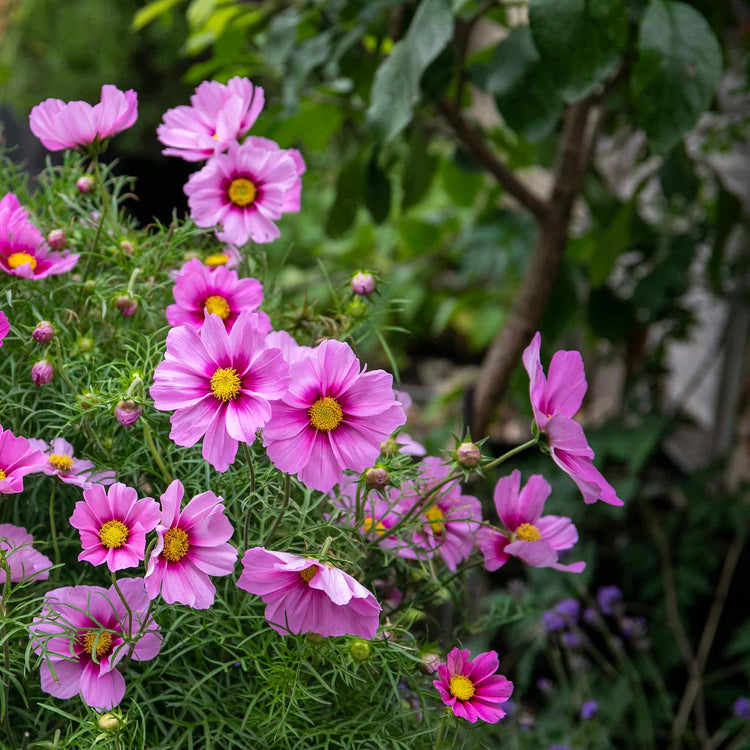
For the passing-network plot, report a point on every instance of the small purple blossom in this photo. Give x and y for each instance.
(741, 708)
(552, 621)
(85, 184)
(588, 709)
(545, 685)
(570, 639)
(590, 615)
(569, 610)
(633, 627)
(608, 597)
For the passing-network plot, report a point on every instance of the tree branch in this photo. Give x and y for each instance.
(501, 172)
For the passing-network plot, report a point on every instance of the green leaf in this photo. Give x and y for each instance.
(348, 197)
(461, 185)
(520, 81)
(419, 170)
(395, 89)
(378, 195)
(677, 71)
(580, 41)
(152, 11)
(610, 244)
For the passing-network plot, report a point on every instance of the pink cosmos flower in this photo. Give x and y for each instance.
(59, 125)
(4, 326)
(220, 385)
(113, 525)
(332, 418)
(61, 463)
(293, 196)
(304, 595)
(450, 523)
(290, 349)
(24, 561)
(81, 633)
(219, 114)
(200, 290)
(191, 546)
(228, 257)
(17, 459)
(471, 688)
(23, 250)
(244, 190)
(555, 399)
(534, 538)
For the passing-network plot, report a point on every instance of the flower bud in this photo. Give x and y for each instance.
(87, 400)
(356, 308)
(43, 332)
(389, 447)
(86, 183)
(57, 239)
(127, 305)
(127, 247)
(127, 412)
(315, 637)
(42, 373)
(359, 650)
(468, 455)
(429, 663)
(86, 343)
(108, 722)
(363, 283)
(377, 477)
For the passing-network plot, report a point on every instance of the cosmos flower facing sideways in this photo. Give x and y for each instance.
(555, 398)
(471, 688)
(220, 385)
(304, 595)
(200, 290)
(244, 191)
(17, 459)
(81, 632)
(534, 538)
(23, 250)
(332, 418)
(4, 326)
(60, 125)
(25, 562)
(191, 545)
(218, 115)
(61, 463)
(113, 525)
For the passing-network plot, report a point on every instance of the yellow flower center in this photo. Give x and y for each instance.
(527, 532)
(370, 525)
(2, 475)
(114, 534)
(101, 640)
(61, 463)
(241, 192)
(435, 516)
(325, 414)
(226, 384)
(217, 305)
(20, 259)
(215, 136)
(176, 545)
(308, 573)
(216, 259)
(461, 687)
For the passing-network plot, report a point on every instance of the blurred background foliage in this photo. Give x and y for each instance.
(650, 277)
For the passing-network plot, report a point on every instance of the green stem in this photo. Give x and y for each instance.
(284, 505)
(102, 218)
(63, 374)
(6, 647)
(324, 548)
(154, 452)
(441, 731)
(125, 604)
(53, 531)
(131, 281)
(510, 453)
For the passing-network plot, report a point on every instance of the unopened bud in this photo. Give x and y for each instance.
(389, 447)
(377, 477)
(86, 183)
(57, 239)
(127, 305)
(363, 283)
(127, 247)
(315, 637)
(359, 650)
(42, 373)
(43, 332)
(429, 663)
(127, 412)
(468, 455)
(108, 722)
(356, 308)
(86, 400)
(86, 343)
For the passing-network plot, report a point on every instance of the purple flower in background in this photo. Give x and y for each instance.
(552, 621)
(633, 627)
(608, 597)
(588, 709)
(741, 708)
(545, 685)
(590, 615)
(570, 639)
(568, 609)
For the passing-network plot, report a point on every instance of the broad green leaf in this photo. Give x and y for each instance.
(462, 186)
(677, 71)
(520, 81)
(378, 191)
(580, 41)
(395, 89)
(610, 244)
(348, 198)
(419, 170)
(152, 11)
